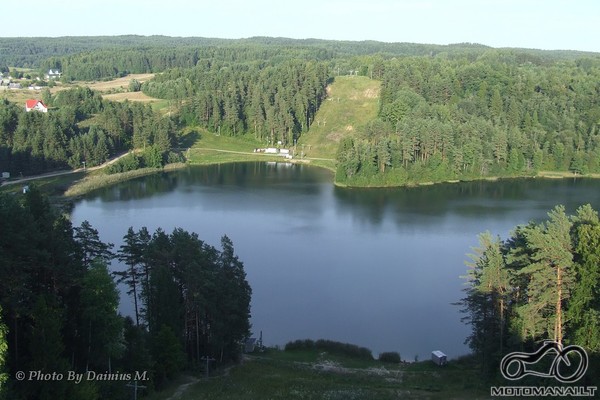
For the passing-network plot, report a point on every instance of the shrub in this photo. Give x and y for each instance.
(305, 344)
(174, 157)
(331, 346)
(390, 357)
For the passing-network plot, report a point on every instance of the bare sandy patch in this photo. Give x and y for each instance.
(131, 96)
(119, 83)
(335, 136)
(371, 93)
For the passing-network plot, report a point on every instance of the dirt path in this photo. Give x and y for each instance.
(59, 173)
(253, 153)
(192, 380)
(182, 388)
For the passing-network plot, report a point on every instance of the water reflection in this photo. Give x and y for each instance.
(523, 199)
(375, 267)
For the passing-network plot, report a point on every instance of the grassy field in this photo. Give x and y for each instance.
(306, 374)
(352, 101)
(207, 148)
(116, 90)
(116, 84)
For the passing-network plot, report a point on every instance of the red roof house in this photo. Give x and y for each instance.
(36, 105)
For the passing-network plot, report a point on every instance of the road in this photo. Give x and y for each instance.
(66, 172)
(253, 153)
(113, 160)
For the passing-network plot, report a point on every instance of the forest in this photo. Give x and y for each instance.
(442, 119)
(59, 303)
(274, 103)
(541, 283)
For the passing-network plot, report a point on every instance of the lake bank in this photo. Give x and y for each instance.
(539, 175)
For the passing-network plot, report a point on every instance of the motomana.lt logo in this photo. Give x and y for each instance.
(569, 365)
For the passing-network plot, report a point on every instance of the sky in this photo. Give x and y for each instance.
(541, 24)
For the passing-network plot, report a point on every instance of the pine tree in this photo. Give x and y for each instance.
(550, 274)
(102, 325)
(487, 300)
(91, 246)
(584, 306)
(235, 300)
(131, 253)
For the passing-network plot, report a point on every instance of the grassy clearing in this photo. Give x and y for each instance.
(207, 148)
(352, 101)
(303, 374)
(201, 138)
(20, 96)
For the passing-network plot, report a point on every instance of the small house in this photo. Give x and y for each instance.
(439, 358)
(250, 345)
(53, 74)
(35, 105)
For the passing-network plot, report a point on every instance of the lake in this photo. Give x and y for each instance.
(379, 268)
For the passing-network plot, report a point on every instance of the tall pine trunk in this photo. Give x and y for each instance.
(558, 334)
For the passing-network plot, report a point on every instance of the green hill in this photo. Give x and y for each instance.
(352, 101)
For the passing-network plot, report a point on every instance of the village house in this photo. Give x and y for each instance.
(53, 74)
(35, 105)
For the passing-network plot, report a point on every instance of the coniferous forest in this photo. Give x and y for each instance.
(498, 114)
(59, 304)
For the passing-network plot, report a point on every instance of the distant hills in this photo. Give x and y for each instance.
(29, 52)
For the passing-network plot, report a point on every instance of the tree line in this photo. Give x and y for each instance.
(59, 301)
(131, 53)
(542, 282)
(102, 64)
(80, 127)
(457, 118)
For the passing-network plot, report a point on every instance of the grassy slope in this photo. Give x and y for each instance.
(352, 101)
(312, 375)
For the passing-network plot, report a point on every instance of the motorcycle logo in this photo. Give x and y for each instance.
(521, 360)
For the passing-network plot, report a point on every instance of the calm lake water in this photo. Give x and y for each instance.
(376, 267)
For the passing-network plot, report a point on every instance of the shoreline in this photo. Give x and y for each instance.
(92, 182)
(539, 175)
